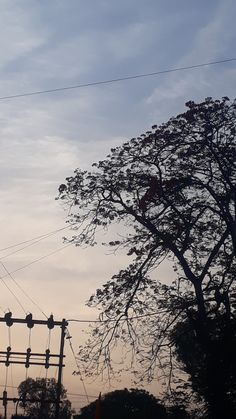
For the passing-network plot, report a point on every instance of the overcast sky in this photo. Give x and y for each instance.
(50, 44)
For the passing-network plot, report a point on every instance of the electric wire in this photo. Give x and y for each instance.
(29, 341)
(22, 290)
(77, 364)
(38, 259)
(41, 237)
(114, 320)
(16, 298)
(56, 372)
(12, 381)
(116, 80)
(23, 248)
(48, 344)
(40, 371)
(6, 378)
(22, 267)
(82, 395)
(70, 394)
(9, 336)
(8, 273)
(26, 373)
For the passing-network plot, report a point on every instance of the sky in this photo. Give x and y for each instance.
(47, 45)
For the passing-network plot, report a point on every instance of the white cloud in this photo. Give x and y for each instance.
(44, 138)
(19, 33)
(211, 43)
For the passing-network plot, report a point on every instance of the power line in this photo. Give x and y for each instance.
(69, 394)
(25, 247)
(23, 291)
(16, 298)
(81, 395)
(41, 237)
(38, 259)
(116, 320)
(23, 267)
(116, 80)
(8, 273)
(77, 365)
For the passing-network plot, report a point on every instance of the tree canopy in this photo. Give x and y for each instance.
(174, 189)
(44, 391)
(126, 404)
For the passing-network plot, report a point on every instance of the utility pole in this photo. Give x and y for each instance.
(4, 402)
(61, 356)
(29, 358)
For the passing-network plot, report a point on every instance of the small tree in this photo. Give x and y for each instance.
(174, 190)
(44, 392)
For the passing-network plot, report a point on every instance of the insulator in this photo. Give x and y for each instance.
(7, 363)
(50, 322)
(4, 401)
(47, 357)
(30, 322)
(8, 318)
(27, 362)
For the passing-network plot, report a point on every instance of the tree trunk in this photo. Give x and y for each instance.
(218, 401)
(202, 317)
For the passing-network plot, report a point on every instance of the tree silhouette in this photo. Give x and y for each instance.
(173, 193)
(44, 392)
(126, 404)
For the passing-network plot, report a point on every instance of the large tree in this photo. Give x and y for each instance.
(174, 190)
(126, 404)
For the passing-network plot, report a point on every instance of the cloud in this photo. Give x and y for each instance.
(211, 43)
(19, 34)
(44, 138)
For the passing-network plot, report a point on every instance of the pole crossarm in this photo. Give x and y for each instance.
(50, 322)
(29, 358)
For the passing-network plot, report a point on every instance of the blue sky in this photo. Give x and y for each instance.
(44, 138)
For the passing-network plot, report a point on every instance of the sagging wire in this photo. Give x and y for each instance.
(34, 240)
(22, 290)
(16, 298)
